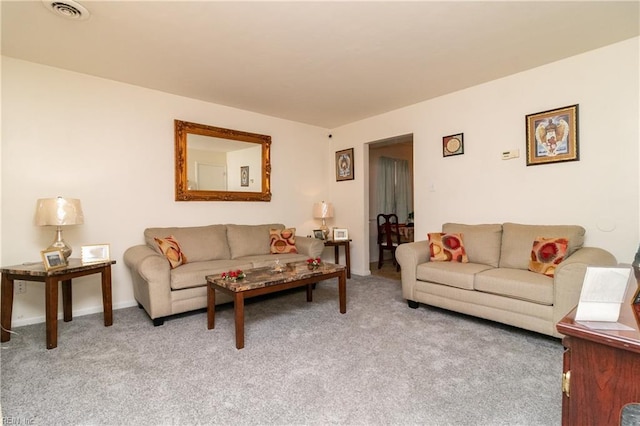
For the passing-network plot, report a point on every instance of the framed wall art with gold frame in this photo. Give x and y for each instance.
(552, 136)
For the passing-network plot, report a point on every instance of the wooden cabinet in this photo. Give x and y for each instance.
(601, 372)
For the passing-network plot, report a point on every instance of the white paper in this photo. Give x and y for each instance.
(603, 291)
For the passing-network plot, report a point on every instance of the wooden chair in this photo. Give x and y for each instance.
(388, 237)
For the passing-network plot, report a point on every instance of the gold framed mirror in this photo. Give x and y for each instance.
(217, 164)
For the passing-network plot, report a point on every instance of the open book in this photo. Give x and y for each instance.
(603, 291)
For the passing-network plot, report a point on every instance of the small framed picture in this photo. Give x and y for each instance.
(340, 234)
(317, 233)
(95, 253)
(344, 165)
(53, 259)
(244, 176)
(453, 145)
(552, 136)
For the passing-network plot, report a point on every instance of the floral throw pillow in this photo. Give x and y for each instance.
(447, 247)
(546, 254)
(283, 241)
(171, 249)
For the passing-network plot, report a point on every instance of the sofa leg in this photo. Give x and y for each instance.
(158, 322)
(412, 304)
(140, 306)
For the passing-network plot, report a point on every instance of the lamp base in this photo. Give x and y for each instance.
(59, 244)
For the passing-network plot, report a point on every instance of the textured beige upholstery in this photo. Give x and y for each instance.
(209, 250)
(510, 293)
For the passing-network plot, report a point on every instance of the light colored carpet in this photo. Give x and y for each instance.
(303, 363)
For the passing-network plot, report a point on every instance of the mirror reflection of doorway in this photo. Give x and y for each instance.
(390, 188)
(210, 177)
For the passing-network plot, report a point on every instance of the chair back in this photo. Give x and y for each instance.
(388, 231)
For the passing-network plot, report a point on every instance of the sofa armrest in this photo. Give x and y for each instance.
(311, 247)
(151, 278)
(569, 275)
(409, 256)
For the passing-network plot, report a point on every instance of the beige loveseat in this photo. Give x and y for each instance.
(209, 250)
(496, 284)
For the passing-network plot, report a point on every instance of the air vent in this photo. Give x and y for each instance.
(68, 9)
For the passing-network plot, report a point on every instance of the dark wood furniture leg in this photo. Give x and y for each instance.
(7, 307)
(107, 304)
(342, 292)
(66, 300)
(211, 307)
(238, 308)
(51, 311)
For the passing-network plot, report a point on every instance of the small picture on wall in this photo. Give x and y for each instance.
(552, 136)
(452, 145)
(344, 165)
(244, 176)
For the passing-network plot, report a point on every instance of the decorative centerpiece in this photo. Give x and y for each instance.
(314, 263)
(233, 276)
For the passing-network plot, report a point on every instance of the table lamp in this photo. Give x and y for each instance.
(59, 212)
(323, 211)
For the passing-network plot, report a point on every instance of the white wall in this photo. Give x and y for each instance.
(600, 192)
(112, 146)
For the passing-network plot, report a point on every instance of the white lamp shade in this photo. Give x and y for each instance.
(59, 211)
(322, 210)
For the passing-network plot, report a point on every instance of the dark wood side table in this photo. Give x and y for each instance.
(601, 369)
(36, 272)
(347, 252)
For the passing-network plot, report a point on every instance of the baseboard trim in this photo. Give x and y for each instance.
(76, 313)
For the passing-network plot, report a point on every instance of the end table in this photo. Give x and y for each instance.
(347, 252)
(36, 272)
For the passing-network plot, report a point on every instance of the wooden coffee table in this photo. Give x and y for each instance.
(259, 281)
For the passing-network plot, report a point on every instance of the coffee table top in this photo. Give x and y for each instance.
(267, 276)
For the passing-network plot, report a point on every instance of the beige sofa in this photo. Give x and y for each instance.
(496, 284)
(209, 250)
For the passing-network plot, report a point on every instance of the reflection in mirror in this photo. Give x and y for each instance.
(213, 163)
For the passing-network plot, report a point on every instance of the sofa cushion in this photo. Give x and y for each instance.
(283, 240)
(481, 242)
(453, 274)
(546, 254)
(445, 247)
(517, 239)
(198, 243)
(194, 274)
(259, 261)
(171, 250)
(249, 240)
(516, 283)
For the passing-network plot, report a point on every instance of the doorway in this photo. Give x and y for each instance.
(393, 158)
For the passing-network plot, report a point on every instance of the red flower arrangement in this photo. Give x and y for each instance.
(233, 275)
(314, 263)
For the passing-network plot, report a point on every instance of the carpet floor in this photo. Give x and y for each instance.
(303, 363)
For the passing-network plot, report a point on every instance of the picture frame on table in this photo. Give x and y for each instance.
(453, 145)
(53, 259)
(340, 234)
(344, 165)
(552, 136)
(95, 253)
(317, 233)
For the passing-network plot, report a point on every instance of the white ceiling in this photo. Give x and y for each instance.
(323, 63)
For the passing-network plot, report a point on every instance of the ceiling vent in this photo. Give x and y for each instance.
(68, 9)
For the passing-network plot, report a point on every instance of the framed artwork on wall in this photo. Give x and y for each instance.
(344, 165)
(453, 145)
(552, 136)
(244, 176)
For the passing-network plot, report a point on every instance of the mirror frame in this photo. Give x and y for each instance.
(183, 128)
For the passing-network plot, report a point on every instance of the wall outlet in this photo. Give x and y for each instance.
(508, 155)
(20, 287)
